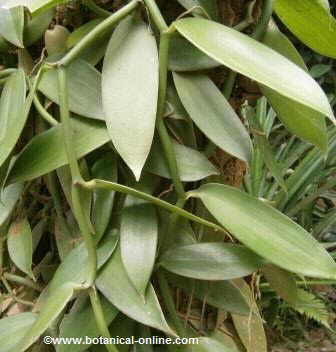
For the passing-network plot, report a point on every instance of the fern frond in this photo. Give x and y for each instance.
(309, 305)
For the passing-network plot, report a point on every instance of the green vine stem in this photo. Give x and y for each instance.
(76, 176)
(112, 186)
(91, 37)
(23, 281)
(96, 9)
(156, 15)
(43, 112)
(170, 305)
(100, 318)
(165, 34)
(263, 21)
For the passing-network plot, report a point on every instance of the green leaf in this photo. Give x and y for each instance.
(84, 89)
(36, 27)
(299, 119)
(267, 231)
(34, 6)
(311, 22)
(184, 56)
(282, 282)
(208, 344)
(192, 165)
(74, 267)
(105, 169)
(46, 152)
(251, 58)
(80, 322)
(20, 245)
(325, 4)
(8, 198)
(13, 328)
(211, 261)
(220, 294)
(70, 275)
(138, 241)
(57, 300)
(250, 328)
(213, 115)
(312, 307)
(319, 70)
(130, 89)
(115, 285)
(11, 25)
(12, 116)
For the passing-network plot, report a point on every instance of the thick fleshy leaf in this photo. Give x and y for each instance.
(12, 116)
(251, 58)
(46, 152)
(115, 285)
(130, 90)
(211, 261)
(184, 56)
(8, 198)
(220, 294)
(138, 241)
(299, 119)
(266, 231)
(105, 169)
(80, 322)
(250, 329)
(11, 25)
(311, 22)
(57, 300)
(13, 328)
(192, 165)
(20, 245)
(213, 114)
(84, 89)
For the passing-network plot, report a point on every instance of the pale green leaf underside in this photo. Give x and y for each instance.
(138, 240)
(130, 90)
(11, 25)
